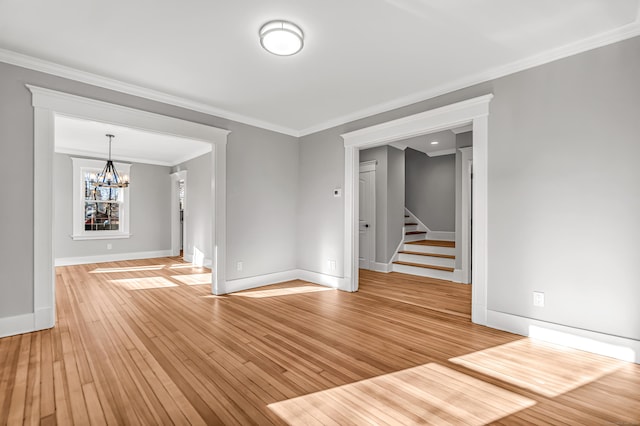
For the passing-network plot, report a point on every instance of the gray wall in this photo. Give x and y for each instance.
(150, 214)
(563, 189)
(389, 198)
(262, 183)
(395, 199)
(462, 140)
(198, 205)
(380, 154)
(430, 190)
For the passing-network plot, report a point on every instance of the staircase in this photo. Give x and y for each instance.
(424, 257)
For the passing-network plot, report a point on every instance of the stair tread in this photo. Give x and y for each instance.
(419, 253)
(415, 232)
(409, 224)
(436, 243)
(420, 265)
(406, 215)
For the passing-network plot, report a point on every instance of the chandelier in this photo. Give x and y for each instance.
(109, 176)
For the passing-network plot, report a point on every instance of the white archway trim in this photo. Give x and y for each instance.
(49, 103)
(473, 111)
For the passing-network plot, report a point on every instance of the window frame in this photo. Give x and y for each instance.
(81, 166)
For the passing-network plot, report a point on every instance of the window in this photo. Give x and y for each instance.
(98, 213)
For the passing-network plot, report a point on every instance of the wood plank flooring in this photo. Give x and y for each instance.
(143, 342)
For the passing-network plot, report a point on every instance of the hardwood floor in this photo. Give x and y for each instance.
(143, 342)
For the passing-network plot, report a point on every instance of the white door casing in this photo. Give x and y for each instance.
(472, 111)
(465, 234)
(367, 215)
(47, 104)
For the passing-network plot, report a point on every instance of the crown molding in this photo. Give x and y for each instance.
(590, 43)
(36, 64)
(599, 40)
(134, 159)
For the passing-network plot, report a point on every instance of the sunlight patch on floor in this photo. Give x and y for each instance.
(185, 266)
(544, 368)
(285, 291)
(193, 279)
(427, 394)
(127, 269)
(144, 283)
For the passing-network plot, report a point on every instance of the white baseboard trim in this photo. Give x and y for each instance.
(19, 324)
(206, 262)
(590, 341)
(68, 261)
(441, 235)
(457, 276)
(232, 286)
(322, 279)
(382, 267)
(27, 323)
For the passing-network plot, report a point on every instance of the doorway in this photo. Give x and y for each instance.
(49, 103)
(474, 112)
(178, 213)
(367, 219)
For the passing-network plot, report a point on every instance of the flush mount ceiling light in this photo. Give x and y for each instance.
(282, 38)
(434, 143)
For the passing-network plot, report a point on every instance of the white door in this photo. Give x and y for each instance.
(367, 219)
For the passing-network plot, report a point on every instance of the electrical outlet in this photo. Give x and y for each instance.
(239, 266)
(109, 246)
(538, 299)
(331, 264)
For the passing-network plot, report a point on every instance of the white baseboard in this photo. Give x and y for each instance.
(457, 276)
(590, 341)
(67, 261)
(231, 286)
(27, 323)
(382, 267)
(441, 235)
(322, 279)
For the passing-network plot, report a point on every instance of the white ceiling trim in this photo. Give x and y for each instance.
(599, 40)
(135, 159)
(441, 152)
(463, 129)
(25, 61)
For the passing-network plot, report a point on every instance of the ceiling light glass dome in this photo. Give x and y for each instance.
(282, 38)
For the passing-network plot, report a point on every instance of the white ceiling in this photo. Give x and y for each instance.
(446, 143)
(360, 57)
(87, 138)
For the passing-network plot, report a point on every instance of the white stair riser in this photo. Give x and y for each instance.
(429, 249)
(426, 260)
(423, 272)
(416, 237)
(408, 228)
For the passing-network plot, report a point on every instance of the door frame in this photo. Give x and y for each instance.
(473, 111)
(176, 177)
(47, 104)
(370, 167)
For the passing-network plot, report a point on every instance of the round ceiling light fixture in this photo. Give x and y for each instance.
(282, 38)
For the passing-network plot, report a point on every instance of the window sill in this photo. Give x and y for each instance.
(83, 237)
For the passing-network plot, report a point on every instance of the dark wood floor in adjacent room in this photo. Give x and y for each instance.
(143, 342)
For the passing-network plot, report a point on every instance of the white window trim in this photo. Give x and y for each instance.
(79, 233)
